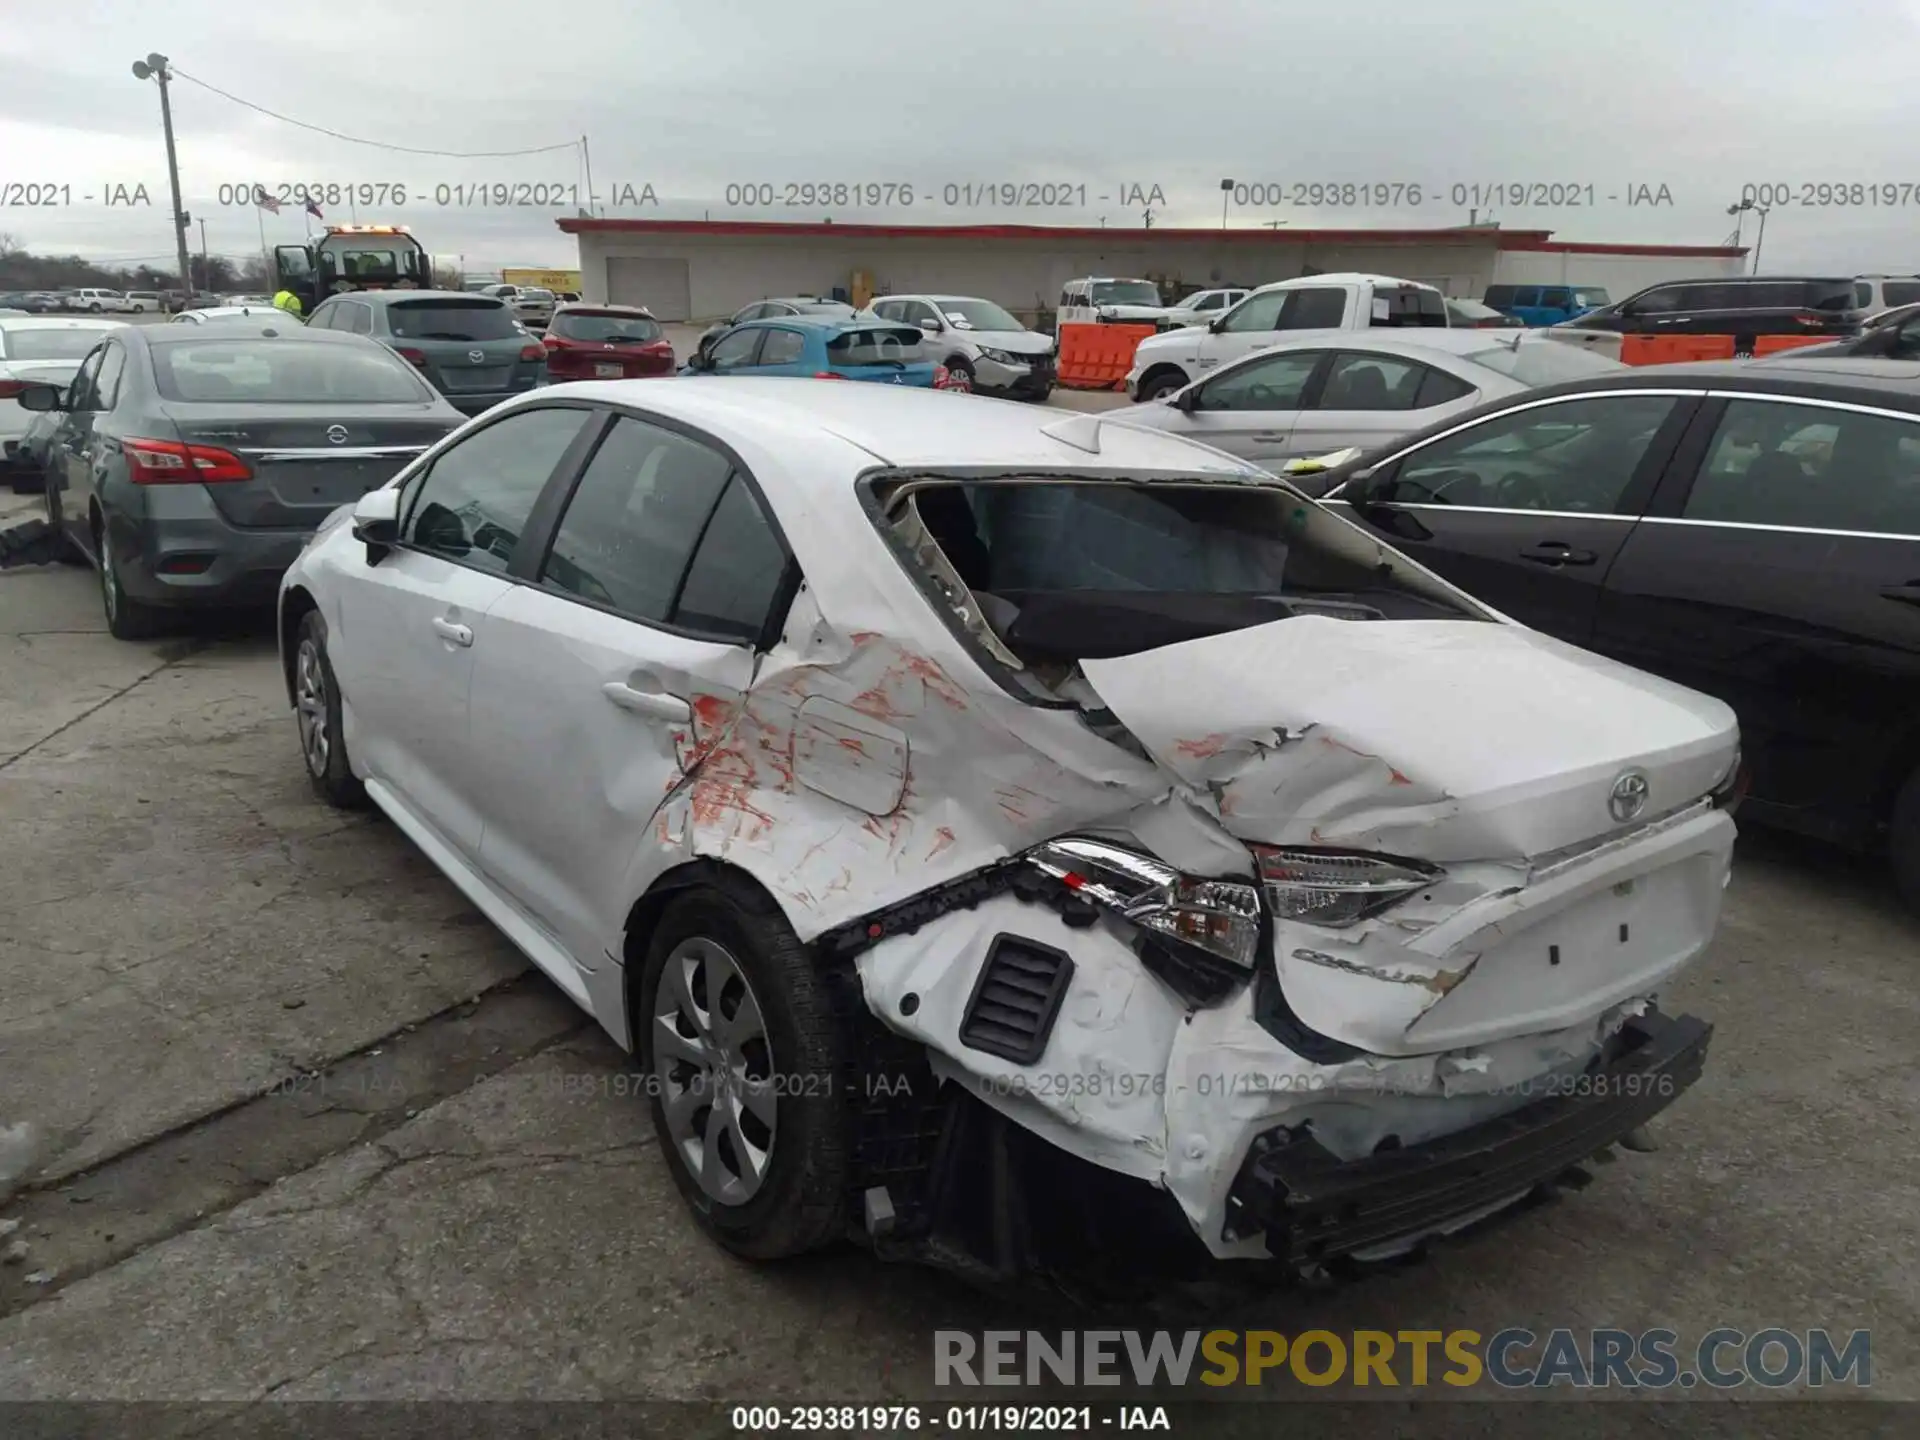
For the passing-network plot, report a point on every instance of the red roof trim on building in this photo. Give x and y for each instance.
(1530, 240)
(1586, 247)
(773, 229)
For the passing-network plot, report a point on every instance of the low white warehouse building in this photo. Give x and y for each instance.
(702, 270)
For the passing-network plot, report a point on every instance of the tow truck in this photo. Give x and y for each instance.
(352, 257)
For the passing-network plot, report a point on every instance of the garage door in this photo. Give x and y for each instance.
(660, 285)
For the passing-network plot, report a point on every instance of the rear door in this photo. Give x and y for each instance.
(1366, 398)
(1267, 318)
(1526, 509)
(1779, 569)
(607, 680)
(412, 624)
(782, 352)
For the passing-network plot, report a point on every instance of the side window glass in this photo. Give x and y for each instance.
(1440, 388)
(322, 319)
(1578, 457)
(1314, 309)
(735, 349)
(359, 319)
(1526, 295)
(735, 576)
(1906, 341)
(1809, 467)
(82, 392)
(1658, 302)
(1371, 382)
(782, 347)
(106, 385)
(475, 500)
(634, 519)
(1275, 382)
(1256, 312)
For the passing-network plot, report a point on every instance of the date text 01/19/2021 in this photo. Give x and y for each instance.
(460, 194)
(954, 195)
(953, 1419)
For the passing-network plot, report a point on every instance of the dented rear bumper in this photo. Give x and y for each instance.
(1312, 1207)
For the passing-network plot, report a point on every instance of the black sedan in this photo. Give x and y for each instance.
(1750, 530)
(190, 463)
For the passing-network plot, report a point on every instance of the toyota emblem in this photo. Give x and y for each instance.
(476, 356)
(1629, 796)
(337, 434)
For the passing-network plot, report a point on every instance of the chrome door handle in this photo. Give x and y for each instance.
(647, 702)
(447, 630)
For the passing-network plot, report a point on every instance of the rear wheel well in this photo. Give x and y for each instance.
(293, 609)
(644, 918)
(1903, 762)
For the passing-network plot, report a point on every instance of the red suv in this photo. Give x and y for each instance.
(605, 342)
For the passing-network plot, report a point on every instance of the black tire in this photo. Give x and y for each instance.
(127, 618)
(1903, 842)
(94, 308)
(960, 374)
(801, 1204)
(330, 774)
(1159, 385)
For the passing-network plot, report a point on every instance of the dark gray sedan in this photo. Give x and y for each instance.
(190, 463)
(470, 347)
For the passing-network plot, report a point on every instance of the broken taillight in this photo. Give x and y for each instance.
(1336, 888)
(1219, 917)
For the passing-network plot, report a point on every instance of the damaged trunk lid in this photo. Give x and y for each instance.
(1438, 740)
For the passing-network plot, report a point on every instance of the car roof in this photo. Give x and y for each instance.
(1344, 277)
(269, 327)
(854, 321)
(902, 427)
(388, 297)
(611, 309)
(1454, 341)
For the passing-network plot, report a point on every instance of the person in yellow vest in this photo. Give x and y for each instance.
(288, 301)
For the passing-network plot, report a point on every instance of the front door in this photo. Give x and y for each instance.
(414, 623)
(1527, 509)
(1250, 409)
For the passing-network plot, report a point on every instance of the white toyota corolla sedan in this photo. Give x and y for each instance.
(1001, 836)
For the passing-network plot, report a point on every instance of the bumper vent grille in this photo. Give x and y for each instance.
(1014, 1002)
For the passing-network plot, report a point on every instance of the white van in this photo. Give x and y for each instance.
(1110, 300)
(1283, 311)
(101, 302)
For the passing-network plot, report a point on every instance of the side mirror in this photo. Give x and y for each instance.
(1186, 401)
(932, 327)
(1353, 489)
(376, 521)
(1214, 327)
(33, 396)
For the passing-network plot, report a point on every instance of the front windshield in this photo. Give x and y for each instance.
(977, 315)
(1544, 361)
(1125, 292)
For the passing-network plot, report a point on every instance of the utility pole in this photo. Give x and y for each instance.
(206, 281)
(155, 67)
(1148, 218)
(586, 160)
(1226, 193)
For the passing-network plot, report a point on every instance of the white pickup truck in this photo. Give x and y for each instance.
(1312, 304)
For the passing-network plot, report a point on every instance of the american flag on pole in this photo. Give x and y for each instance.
(265, 201)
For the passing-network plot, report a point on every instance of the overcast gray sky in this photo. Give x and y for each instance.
(1699, 96)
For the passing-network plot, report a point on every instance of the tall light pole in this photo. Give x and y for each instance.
(1737, 211)
(1226, 193)
(154, 67)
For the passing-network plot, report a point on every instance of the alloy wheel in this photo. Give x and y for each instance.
(713, 1063)
(310, 708)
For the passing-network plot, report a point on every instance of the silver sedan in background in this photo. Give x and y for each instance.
(1311, 396)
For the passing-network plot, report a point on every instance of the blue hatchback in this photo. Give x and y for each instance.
(823, 347)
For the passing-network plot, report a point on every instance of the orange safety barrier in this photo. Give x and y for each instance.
(1674, 349)
(1097, 357)
(1774, 344)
